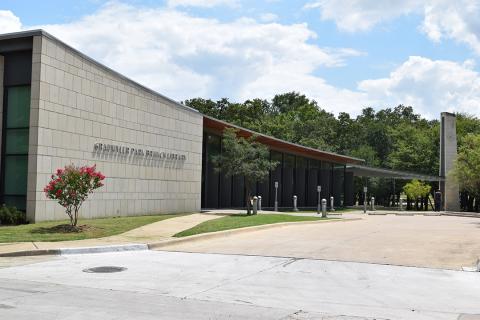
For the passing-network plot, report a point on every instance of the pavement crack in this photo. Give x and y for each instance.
(35, 245)
(293, 260)
(283, 263)
(293, 315)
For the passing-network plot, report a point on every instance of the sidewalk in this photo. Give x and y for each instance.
(154, 232)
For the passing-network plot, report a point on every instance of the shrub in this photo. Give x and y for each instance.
(71, 186)
(11, 216)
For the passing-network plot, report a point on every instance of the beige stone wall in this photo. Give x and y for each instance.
(81, 103)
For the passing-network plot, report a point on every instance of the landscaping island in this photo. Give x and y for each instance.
(241, 221)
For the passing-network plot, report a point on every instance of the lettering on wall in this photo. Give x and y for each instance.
(137, 155)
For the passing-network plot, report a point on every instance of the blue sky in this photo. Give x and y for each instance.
(345, 54)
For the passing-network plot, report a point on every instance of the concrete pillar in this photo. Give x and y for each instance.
(255, 205)
(295, 203)
(34, 192)
(448, 154)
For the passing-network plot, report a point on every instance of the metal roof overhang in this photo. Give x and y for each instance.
(364, 171)
(218, 126)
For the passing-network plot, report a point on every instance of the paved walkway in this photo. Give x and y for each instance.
(154, 232)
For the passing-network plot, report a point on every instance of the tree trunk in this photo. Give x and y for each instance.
(69, 213)
(76, 216)
(470, 203)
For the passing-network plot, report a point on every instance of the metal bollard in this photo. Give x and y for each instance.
(324, 208)
(295, 203)
(332, 204)
(372, 203)
(259, 203)
(255, 204)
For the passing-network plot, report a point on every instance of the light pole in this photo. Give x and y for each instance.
(319, 190)
(276, 196)
(365, 189)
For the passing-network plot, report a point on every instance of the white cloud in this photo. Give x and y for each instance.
(268, 17)
(458, 20)
(442, 19)
(431, 86)
(184, 56)
(354, 15)
(9, 22)
(202, 3)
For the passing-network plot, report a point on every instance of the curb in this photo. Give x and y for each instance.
(149, 246)
(461, 214)
(103, 249)
(80, 250)
(26, 253)
(225, 233)
(377, 213)
(475, 268)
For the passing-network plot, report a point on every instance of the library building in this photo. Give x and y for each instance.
(60, 107)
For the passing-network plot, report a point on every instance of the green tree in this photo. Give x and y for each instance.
(71, 186)
(243, 157)
(416, 189)
(467, 165)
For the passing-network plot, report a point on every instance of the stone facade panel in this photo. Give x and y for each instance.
(80, 103)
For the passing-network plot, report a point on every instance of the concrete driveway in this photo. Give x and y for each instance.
(423, 241)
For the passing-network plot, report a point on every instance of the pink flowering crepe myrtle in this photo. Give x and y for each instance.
(71, 186)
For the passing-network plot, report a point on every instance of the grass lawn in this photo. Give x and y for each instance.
(46, 231)
(242, 221)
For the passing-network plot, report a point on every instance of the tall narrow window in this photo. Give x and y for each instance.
(15, 146)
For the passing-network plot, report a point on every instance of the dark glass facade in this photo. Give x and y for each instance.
(15, 156)
(15, 128)
(296, 175)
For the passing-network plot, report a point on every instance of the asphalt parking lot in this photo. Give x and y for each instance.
(441, 242)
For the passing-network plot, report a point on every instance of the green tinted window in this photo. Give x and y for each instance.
(18, 107)
(17, 141)
(16, 168)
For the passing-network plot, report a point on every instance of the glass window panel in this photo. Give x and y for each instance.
(19, 202)
(289, 161)
(213, 145)
(277, 156)
(16, 168)
(17, 141)
(301, 162)
(18, 107)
